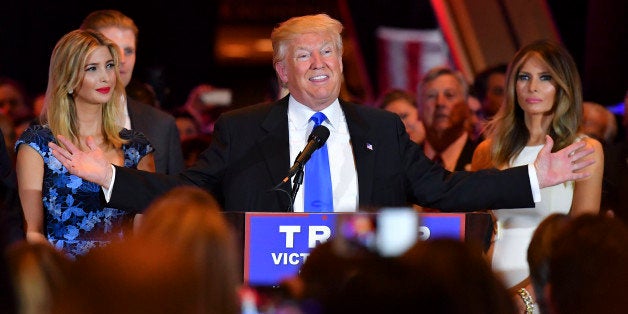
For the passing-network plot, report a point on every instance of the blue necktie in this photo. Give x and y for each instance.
(318, 195)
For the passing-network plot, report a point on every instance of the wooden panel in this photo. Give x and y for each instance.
(490, 31)
(481, 33)
(531, 20)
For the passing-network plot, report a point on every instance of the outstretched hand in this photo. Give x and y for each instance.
(90, 165)
(563, 165)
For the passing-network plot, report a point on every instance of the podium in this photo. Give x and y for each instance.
(275, 245)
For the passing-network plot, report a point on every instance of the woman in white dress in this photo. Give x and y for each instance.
(543, 98)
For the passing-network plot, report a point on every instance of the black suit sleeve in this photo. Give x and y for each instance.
(461, 191)
(134, 190)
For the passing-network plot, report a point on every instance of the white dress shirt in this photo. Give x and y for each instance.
(344, 178)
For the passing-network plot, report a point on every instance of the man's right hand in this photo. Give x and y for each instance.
(90, 165)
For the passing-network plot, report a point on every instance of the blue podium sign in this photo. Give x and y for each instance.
(277, 244)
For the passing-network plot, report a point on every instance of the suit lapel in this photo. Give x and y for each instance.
(277, 140)
(364, 149)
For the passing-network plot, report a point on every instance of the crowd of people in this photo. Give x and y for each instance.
(112, 204)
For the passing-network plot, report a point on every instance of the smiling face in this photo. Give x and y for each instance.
(535, 88)
(126, 41)
(312, 70)
(99, 78)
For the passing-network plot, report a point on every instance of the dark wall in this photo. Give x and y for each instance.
(596, 33)
(175, 44)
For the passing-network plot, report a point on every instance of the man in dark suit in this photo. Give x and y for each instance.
(158, 126)
(161, 130)
(372, 160)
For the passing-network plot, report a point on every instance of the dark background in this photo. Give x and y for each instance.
(176, 40)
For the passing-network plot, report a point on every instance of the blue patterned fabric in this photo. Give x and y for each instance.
(75, 220)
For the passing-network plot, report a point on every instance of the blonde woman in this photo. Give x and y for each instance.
(81, 104)
(543, 99)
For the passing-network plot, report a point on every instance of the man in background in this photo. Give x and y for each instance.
(443, 95)
(158, 126)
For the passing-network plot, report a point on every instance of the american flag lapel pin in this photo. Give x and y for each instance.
(369, 146)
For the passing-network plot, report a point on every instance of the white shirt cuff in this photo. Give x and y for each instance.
(534, 183)
(107, 191)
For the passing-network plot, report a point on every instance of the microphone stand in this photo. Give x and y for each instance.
(296, 183)
(298, 180)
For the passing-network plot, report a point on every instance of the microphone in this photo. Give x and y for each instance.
(316, 140)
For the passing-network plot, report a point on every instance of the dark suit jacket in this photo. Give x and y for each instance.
(466, 155)
(249, 155)
(161, 130)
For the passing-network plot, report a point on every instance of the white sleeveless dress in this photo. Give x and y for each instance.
(516, 226)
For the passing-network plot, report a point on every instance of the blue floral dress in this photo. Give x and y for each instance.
(75, 220)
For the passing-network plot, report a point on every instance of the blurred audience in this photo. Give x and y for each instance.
(40, 274)
(14, 101)
(11, 217)
(598, 123)
(445, 114)
(489, 87)
(15, 104)
(205, 104)
(435, 276)
(587, 271)
(142, 92)
(450, 276)
(182, 259)
(475, 123)
(8, 210)
(404, 104)
(8, 134)
(324, 273)
(193, 147)
(615, 198)
(539, 254)
(187, 125)
(38, 104)
(486, 96)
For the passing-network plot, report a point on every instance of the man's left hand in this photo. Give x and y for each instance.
(563, 165)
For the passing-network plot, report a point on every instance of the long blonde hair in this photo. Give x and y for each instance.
(508, 132)
(65, 76)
